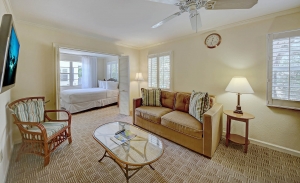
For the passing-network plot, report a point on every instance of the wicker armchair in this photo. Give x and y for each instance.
(40, 134)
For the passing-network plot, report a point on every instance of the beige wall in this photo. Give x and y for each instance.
(36, 69)
(6, 144)
(242, 52)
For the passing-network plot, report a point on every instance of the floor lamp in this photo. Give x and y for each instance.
(239, 85)
(139, 78)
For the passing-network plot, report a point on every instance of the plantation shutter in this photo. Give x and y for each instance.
(159, 71)
(152, 72)
(164, 72)
(284, 70)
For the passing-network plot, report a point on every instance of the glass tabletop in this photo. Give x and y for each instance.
(144, 148)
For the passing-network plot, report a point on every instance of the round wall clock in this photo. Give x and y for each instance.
(212, 40)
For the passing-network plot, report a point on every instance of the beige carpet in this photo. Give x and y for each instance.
(78, 162)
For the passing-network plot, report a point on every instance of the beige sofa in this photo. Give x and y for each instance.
(172, 121)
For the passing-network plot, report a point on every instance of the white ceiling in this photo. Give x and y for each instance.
(129, 21)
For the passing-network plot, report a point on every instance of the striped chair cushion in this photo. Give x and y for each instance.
(31, 111)
(151, 97)
(199, 104)
(51, 127)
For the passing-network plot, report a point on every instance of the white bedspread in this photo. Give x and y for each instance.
(74, 96)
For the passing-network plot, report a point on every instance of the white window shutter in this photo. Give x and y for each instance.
(284, 70)
(164, 72)
(152, 72)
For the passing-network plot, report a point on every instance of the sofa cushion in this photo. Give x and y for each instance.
(151, 113)
(182, 102)
(183, 122)
(168, 99)
(151, 97)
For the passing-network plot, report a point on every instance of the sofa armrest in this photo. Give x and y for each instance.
(137, 102)
(212, 127)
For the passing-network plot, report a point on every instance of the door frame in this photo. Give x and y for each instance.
(56, 47)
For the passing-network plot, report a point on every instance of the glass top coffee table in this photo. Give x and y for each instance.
(144, 149)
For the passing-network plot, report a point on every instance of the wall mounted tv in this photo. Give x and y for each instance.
(9, 53)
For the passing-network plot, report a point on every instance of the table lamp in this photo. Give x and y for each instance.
(139, 78)
(239, 85)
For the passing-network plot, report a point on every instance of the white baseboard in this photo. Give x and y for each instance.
(273, 146)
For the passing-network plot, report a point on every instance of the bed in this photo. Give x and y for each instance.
(76, 100)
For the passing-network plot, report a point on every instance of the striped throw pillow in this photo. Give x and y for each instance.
(199, 104)
(151, 97)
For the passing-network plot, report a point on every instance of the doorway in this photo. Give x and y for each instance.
(80, 77)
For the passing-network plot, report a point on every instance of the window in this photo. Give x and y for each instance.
(284, 70)
(159, 71)
(112, 70)
(70, 73)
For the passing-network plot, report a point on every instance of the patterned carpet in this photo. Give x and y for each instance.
(78, 162)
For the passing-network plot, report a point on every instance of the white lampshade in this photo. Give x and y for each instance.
(139, 76)
(239, 84)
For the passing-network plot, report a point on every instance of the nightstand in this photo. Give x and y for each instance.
(234, 137)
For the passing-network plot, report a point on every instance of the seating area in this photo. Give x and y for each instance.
(173, 121)
(40, 134)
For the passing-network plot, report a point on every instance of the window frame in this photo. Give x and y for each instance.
(109, 63)
(157, 55)
(280, 103)
(70, 73)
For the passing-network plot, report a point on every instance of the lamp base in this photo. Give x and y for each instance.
(238, 111)
(238, 107)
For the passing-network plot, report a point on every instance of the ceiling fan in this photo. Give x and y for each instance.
(192, 6)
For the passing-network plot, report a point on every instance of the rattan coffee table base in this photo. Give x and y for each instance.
(125, 169)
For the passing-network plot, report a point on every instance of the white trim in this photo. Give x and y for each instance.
(272, 146)
(284, 107)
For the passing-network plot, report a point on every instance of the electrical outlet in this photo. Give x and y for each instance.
(1, 155)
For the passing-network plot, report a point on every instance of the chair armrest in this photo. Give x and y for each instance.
(137, 102)
(212, 128)
(56, 120)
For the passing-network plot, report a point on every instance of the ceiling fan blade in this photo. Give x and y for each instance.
(230, 4)
(166, 19)
(195, 20)
(166, 1)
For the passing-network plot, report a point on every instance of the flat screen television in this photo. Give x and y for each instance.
(9, 53)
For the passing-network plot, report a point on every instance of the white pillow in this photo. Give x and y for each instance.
(111, 85)
(99, 84)
(102, 84)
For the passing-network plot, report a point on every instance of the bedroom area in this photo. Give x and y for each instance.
(87, 80)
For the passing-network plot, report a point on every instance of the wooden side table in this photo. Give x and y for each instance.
(234, 137)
